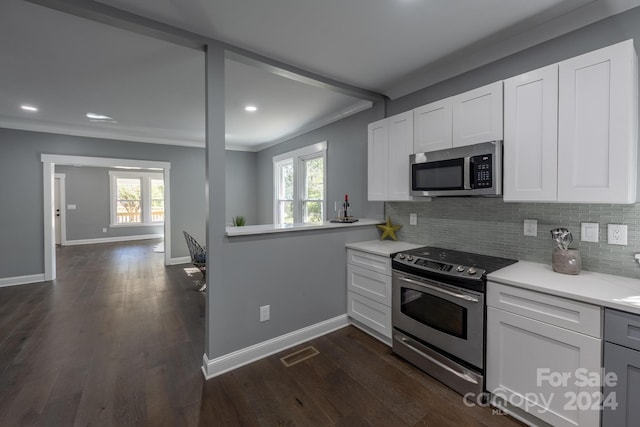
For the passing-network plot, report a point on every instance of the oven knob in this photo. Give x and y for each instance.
(409, 258)
(401, 256)
(460, 269)
(471, 271)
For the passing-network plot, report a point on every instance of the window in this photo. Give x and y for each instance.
(300, 185)
(137, 198)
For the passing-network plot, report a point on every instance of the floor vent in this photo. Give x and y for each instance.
(299, 356)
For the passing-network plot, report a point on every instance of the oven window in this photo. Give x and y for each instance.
(439, 175)
(435, 312)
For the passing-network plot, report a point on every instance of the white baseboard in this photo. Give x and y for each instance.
(228, 362)
(179, 260)
(21, 280)
(113, 239)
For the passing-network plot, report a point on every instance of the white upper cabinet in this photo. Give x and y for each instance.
(390, 142)
(477, 115)
(378, 160)
(597, 130)
(400, 148)
(571, 130)
(432, 126)
(531, 136)
(469, 118)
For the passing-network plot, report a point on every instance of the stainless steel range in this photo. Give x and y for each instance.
(438, 313)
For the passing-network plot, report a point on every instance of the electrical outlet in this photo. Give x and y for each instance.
(530, 227)
(617, 234)
(265, 313)
(413, 219)
(589, 231)
(104, 230)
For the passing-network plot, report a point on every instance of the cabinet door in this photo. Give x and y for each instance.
(432, 126)
(521, 351)
(370, 313)
(625, 363)
(477, 115)
(531, 136)
(377, 156)
(598, 126)
(400, 148)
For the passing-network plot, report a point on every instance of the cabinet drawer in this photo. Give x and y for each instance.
(622, 328)
(370, 313)
(370, 284)
(572, 315)
(369, 261)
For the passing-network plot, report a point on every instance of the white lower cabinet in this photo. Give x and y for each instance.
(539, 366)
(369, 292)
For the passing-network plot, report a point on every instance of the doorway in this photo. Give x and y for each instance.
(49, 161)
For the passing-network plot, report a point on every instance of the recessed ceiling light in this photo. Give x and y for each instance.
(29, 108)
(251, 108)
(95, 116)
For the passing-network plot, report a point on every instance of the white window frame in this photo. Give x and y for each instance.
(145, 179)
(298, 157)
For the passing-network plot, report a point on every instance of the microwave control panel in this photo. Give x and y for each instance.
(482, 171)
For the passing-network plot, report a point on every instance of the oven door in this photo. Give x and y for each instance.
(445, 317)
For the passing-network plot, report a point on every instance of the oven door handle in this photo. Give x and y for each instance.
(439, 289)
(407, 343)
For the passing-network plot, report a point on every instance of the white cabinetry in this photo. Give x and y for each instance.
(369, 292)
(432, 126)
(390, 142)
(531, 136)
(477, 115)
(587, 106)
(533, 339)
(465, 119)
(597, 130)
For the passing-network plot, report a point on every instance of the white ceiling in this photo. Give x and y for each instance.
(69, 66)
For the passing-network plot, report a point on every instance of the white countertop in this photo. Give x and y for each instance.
(382, 247)
(274, 228)
(622, 293)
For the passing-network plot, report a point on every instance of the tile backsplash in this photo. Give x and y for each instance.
(493, 227)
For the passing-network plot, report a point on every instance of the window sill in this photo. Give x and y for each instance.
(248, 230)
(155, 224)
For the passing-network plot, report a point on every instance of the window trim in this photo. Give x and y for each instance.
(145, 178)
(298, 157)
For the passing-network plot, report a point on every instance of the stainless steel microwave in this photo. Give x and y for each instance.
(473, 170)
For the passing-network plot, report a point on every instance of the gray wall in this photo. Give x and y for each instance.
(346, 165)
(494, 227)
(241, 180)
(21, 216)
(301, 274)
(88, 189)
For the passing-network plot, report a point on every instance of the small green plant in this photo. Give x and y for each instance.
(238, 221)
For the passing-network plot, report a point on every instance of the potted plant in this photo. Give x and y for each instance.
(238, 221)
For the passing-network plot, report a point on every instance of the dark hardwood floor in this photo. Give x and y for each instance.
(117, 340)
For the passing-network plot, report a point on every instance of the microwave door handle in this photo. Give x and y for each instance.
(467, 173)
(438, 289)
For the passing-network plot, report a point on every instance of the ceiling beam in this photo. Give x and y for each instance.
(100, 12)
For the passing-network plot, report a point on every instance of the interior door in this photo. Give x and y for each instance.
(56, 206)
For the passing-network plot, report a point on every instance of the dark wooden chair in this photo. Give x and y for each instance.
(198, 256)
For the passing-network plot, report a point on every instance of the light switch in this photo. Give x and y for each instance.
(413, 219)
(71, 207)
(589, 231)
